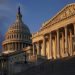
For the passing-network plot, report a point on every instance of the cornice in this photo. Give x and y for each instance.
(67, 11)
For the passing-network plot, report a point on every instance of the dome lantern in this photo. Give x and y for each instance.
(19, 15)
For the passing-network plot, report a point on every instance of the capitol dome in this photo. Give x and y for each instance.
(18, 35)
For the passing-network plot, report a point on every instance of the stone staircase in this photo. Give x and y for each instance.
(65, 66)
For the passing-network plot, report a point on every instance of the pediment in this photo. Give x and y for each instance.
(66, 12)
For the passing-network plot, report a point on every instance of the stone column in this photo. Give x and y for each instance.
(73, 39)
(50, 46)
(38, 49)
(55, 50)
(74, 28)
(44, 47)
(63, 45)
(66, 41)
(71, 49)
(33, 49)
(58, 44)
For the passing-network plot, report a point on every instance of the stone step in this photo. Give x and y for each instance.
(64, 66)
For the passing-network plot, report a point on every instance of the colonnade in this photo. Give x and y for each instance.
(59, 41)
(14, 46)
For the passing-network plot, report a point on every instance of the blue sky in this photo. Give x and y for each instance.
(34, 12)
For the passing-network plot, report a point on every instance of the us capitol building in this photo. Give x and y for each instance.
(54, 40)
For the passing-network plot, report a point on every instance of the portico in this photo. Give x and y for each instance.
(54, 39)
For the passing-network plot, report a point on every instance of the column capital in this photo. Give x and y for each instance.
(45, 36)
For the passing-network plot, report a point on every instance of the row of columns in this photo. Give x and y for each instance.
(14, 46)
(57, 39)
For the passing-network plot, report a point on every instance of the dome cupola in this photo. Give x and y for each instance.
(18, 35)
